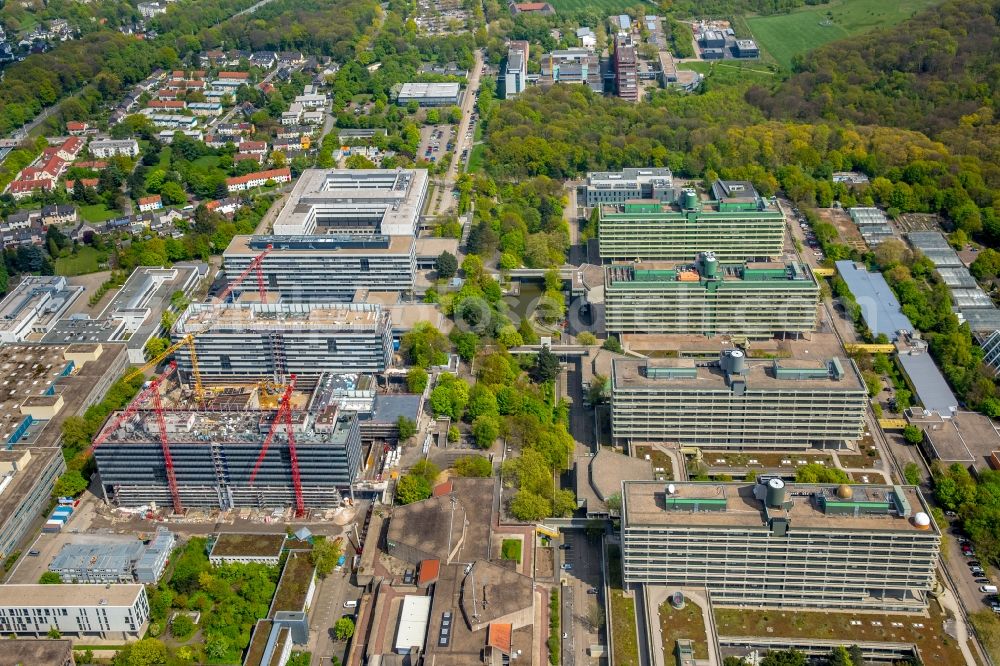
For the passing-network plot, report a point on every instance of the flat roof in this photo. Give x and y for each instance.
(430, 90)
(251, 246)
(293, 586)
(760, 374)
(69, 595)
(231, 544)
(255, 317)
(27, 652)
(657, 274)
(935, 247)
(879, 306)
(40, 297)
(929, 384)
(413, 620)
(736, 505)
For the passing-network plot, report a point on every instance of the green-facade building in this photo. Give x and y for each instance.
(737, 223)
(754, 299)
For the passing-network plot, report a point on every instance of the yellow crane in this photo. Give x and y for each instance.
(199, 391)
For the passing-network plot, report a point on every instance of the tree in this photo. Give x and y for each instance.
(912, 434)
(324, 555)
(595, 616)
(411, 489)
(816, 473)
(485, 430)
(987, 264)
(216, 647)
(597, 394)
(857, 657)
(407, 428)
(446, 265)
(173, 194)
(344, 628)
(475, 466)
(70, 484)
(586, 339)
(839, 657)
(53, 633)
(416, 380)
(358, 161)
(545, 367)
(528, 507)
(50, 578)
(182, 626)
(612, 344)
(912, 473)
(783, 658)
(152, 652)
(482, 402)
(156, 346)
(425, 345)
(466, 344)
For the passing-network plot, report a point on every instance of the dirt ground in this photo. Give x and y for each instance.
(920, 222)
(848, 231)
(544, 562)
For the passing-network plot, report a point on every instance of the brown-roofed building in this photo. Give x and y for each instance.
(442, 489)
(429, 571)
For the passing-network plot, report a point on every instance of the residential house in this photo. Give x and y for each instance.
(152, 202)
(59, 214)
(258, 179)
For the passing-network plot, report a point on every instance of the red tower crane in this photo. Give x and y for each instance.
(254, 265)
(284, 415)
(151, 391)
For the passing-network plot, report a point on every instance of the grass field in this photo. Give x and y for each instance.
(85, 260)
(98, 213)
(476, 158)
(730, 72)
(622, 621)
(510, 549)
(206, 162)
(606, 6)
(784, 36)
(688, 623)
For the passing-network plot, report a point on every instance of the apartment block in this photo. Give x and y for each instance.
(706, 297)
(619, 187)
(776, 545)
(99, 611)
(214, 454)
(626, 68)
(238, 342)
(327, 268)
(737, 403)
(104, 148)
(737, 223)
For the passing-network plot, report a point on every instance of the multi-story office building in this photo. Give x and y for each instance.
(576, 65)
(214, 454)
(34, 306)
(755, 299)
(100, 611)
(616, 188)
(626, 68)
(768, 544)
(354, 201)
(738, 224)
(329, 268)
(516, 72)
(737, 403)
(248, 341)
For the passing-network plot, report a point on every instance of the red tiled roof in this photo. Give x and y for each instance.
(429, 570)
(87, 182)
(233, 75)
(243, 157)
(247, 146)
(18, 186)
(167, 104)
(531, 6)
(76, 126)
(155, 198)
(91, 164)
(498, 636)
(443, 488)
(72, 144)
(260, 175)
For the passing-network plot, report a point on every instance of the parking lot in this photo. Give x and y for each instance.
(581, 592)
(434, 142)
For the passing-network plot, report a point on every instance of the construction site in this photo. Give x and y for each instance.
(233, 450)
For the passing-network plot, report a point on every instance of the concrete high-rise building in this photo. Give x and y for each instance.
(771, 544)
(516, 72)
(354, 201)
(214, 454)
(330, 268)
(708, 298)
(738, 224)
(626, 68)
(248, 341)
(620, 187)
(737, 403)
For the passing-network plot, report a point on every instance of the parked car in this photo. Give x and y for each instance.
(565, 546)
(974, 563)
(568, 566)
(983, 581)
(950, 514)
(592, 590)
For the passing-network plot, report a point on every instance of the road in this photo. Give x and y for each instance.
(443, 196)
(327, 608)
(585, 556)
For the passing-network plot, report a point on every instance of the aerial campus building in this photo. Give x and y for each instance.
(737, 403)
(240, 342)
(339, 231)
(771, 544)
(737, 223)
(754, 299)
(214, 454)
(34, 306)
(101, 611)
(615, 188)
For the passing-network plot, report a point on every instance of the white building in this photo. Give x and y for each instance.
(429, 94)
(516, 72)
(111, 147)
(413, 620)
(311, 101)
(34, 306)
(588, 39)
(116, 612)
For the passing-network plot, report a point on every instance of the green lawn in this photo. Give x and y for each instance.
(476, 158)
(510, 549)
(98, 213)
(85, 260)
(206, 162)
(784, 36)
(730, 72)
(606, 6)
(622, 621)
